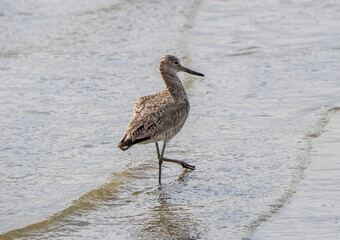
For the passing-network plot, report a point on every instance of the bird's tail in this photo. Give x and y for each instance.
(126, 142)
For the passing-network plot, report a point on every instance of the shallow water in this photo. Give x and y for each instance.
(71, 71)
(314, 211)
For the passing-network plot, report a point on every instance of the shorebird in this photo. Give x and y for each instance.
(160, 116)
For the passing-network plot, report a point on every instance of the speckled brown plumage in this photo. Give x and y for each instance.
(159, 117)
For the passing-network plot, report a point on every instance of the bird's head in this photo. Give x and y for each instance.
(171, 64)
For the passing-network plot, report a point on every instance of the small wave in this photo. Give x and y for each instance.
(303, 157)
(82, 205)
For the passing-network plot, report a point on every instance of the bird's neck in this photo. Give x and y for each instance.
(173, 83)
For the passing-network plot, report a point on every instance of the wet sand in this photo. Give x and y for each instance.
(314, 210)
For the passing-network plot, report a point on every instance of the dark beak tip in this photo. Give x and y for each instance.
(184, 69)
(199, 74)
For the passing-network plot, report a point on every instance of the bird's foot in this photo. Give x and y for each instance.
(186, 165)
(182, 163)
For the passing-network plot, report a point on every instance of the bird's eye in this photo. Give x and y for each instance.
(176, 62)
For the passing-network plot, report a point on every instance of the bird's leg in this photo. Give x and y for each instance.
(160, 161)
(163, 149)
(182, 163)
(157, 148)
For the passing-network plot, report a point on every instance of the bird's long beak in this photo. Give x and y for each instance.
(184, 69)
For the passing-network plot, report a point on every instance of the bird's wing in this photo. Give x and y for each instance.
(153, 116)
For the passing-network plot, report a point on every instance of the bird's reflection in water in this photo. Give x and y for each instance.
(170, 218)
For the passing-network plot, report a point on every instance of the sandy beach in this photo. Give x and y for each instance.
(314, 210)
